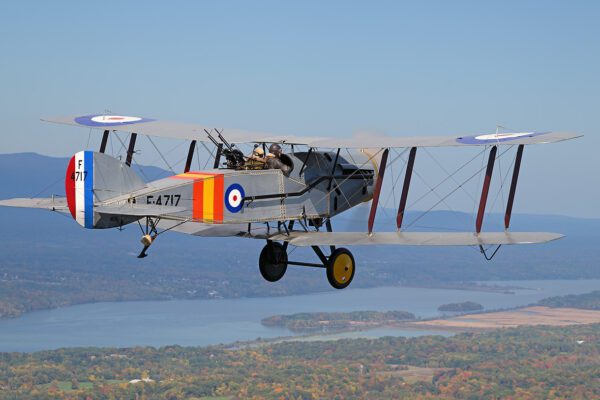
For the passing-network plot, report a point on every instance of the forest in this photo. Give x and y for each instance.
(588, 301)
(519, 363)
(336, 321)
(461, 307)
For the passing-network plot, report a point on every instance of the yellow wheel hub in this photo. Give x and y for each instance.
(343, 267)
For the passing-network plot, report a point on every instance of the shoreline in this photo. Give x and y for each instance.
(465, 323)
(479, 286)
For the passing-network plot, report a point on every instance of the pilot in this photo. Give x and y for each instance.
(274, 159)
(257, 159)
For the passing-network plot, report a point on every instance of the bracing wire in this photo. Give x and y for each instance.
(133, 160)
(432, 189)
(446, 172)
(161, 155)
(442, 200)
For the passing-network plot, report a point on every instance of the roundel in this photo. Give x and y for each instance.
(497, 137)
(234, 198)
(110, 120)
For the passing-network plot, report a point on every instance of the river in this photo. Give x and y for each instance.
(209, 322)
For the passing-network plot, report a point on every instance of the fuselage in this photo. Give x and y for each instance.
(320, 185)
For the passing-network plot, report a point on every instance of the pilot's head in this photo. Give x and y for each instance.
(275, 149)
(258, 152)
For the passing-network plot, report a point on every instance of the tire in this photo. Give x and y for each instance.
(272, 262)
(340, 268)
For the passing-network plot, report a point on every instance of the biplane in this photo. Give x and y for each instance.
(291, 206)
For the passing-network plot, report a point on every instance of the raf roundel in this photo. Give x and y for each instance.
(497, 137)
(109, 120)
(234, 198)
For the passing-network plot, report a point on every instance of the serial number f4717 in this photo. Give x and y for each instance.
(164, 199)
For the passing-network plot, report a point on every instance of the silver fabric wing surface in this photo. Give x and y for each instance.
(303, 239)
(177, 130)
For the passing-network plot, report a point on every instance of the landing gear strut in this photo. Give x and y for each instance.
(148, 235)
(339, 266)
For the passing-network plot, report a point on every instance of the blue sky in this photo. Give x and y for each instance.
(318, 68)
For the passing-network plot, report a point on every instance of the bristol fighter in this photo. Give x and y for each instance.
(285, 198)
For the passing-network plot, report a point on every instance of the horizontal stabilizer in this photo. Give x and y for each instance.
(52, 203)
(411, 238)
(204, 230)
(135, 210)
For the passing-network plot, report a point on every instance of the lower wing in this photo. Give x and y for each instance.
(302, 239)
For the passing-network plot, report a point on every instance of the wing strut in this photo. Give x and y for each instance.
(486, 188)
(218, 155)
(409, 169)
(104, 141)
(190, 156)
(337, 156)
(377, 190)
(131, 149)
(513, 186)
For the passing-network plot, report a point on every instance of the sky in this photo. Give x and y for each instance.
(320, 68)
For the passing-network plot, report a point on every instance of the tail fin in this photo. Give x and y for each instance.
(94, 177)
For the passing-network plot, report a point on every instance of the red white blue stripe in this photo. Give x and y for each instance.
(79, 187)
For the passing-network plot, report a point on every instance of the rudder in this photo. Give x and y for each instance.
(92, 177)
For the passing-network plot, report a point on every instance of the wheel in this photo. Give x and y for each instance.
(273, 261)
(340, 268)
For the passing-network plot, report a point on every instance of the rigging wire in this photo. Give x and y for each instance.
(87, 145)
(112, 149)
(393, 192)
(48, 187)
(168, 152)
(446, 172)
(133, 160)
(432, 189)
(452, 192)
(161, 155)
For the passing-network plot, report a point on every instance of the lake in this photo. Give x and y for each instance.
(209, 322)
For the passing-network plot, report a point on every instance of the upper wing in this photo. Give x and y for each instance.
(176, 130)
(302, 239)
(173, 130)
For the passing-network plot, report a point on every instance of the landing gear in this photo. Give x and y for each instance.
(149, 235)
(340, 268)
(273, 261)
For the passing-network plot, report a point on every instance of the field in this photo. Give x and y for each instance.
(528, 316)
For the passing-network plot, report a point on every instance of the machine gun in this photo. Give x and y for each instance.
(234, 157)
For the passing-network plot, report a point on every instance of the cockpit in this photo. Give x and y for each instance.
(258, 160)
